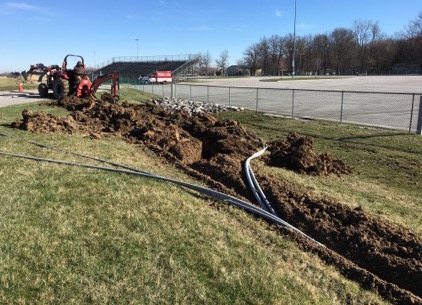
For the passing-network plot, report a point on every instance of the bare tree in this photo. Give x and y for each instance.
(321, 53)
(363, 47)
(414, 28)
(276, 52)
(362, 31)
(383, 55)
(264, 52)
(251, 58)
(343, 50)
(222, 61)
(376, 33)
(366, 32)
(305, 59)
(288, 49)
(301, 51)
(205, 63)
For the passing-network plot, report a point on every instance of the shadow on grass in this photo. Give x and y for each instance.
(7, 126)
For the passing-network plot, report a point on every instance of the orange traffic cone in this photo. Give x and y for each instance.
(20, 87)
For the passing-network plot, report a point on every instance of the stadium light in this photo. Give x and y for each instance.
(136, 48)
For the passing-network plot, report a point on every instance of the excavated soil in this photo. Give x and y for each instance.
(381, 256)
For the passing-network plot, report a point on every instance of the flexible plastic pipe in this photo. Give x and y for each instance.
(254, 185)
(211, 193)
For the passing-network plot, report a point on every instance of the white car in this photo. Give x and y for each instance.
(144, 79)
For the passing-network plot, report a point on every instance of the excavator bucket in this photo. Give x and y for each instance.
(115, 86)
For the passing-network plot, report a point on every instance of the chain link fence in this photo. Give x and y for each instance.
(401, 111)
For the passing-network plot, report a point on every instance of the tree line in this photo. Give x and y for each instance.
(362, 48)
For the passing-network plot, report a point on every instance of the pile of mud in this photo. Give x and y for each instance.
(297, 153)
(380, 256)
(45, 123)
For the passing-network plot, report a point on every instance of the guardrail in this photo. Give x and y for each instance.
(400, 111)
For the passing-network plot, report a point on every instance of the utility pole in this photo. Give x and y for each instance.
(294, 45)
(137, 48)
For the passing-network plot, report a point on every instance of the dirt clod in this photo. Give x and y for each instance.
(45, 123)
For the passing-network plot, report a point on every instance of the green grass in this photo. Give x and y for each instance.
(134, 96)
(386, 179)
(76, 236)
(72, 235)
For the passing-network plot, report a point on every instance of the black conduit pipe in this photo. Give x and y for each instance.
(209, 192)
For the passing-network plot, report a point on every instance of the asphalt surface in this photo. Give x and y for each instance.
(382, 101)
(15, 97)
(403, 84)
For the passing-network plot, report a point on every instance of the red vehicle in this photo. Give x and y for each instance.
(161, 77)
(63, 81)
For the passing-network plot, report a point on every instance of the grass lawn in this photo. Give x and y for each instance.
(76, 236)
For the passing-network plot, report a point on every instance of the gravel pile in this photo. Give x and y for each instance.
(193, 107)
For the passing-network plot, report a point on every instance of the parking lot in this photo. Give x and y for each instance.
(382, 101)
(405, 84)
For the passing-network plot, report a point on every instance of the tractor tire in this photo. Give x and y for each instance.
(43, 90)
(60, 88)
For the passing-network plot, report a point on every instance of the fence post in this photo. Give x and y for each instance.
(256, 107)
(342, 104)
(293, 103)
(411, 113)
(172, 91)
(229, 96)
(419, 127)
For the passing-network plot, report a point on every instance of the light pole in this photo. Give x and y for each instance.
(294, 45)
(137, 48)
(95, 66)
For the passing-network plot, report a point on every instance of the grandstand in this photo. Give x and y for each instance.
(134, 66)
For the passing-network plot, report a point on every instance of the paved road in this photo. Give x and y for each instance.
(14, 97)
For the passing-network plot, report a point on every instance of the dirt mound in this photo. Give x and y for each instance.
(296, 153)
(44, 122)
(380, 256)
(72, 103)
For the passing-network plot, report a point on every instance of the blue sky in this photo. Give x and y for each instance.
(45, 31)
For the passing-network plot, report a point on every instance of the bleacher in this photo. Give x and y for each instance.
(129, 68)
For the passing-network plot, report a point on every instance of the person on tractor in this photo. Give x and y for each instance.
(75, 76)
(80, 70)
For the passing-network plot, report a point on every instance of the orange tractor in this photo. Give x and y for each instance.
(64, 82)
